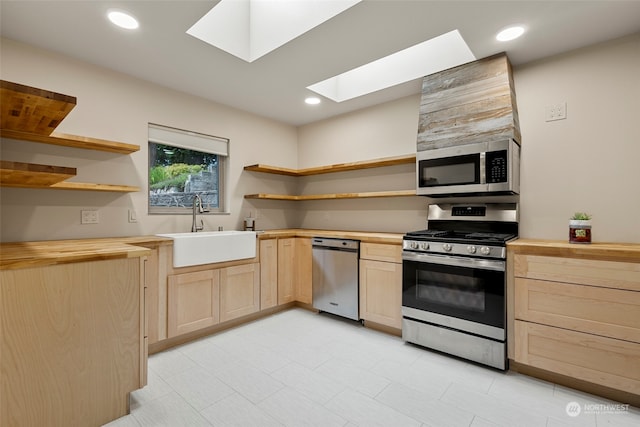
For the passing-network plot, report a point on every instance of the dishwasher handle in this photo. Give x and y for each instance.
(335, 244)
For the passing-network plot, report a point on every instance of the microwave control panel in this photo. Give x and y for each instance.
(496, 166)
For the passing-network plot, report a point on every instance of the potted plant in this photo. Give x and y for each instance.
(580, 228)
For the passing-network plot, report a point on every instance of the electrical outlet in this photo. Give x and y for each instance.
(89, 217)
(555, 112)
(133, 217)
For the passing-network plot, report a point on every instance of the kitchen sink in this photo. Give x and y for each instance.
(211, 247)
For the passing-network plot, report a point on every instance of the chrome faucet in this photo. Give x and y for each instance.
(197, 202)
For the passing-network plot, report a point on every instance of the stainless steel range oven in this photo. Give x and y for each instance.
(454, 283)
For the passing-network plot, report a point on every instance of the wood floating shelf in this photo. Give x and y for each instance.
(85, 186)
(30, 175)
(333, 196)
(32, 114)
(67, 140)
(339, 167)
(32, 110)
(18, 174)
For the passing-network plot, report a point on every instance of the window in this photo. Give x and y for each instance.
(183, 164)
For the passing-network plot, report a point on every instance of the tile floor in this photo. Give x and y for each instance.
(298, 368)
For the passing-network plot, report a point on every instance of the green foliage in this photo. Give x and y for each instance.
(157, 174)
(163, 177)
(581, 216)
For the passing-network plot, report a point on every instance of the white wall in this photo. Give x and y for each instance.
(590, 161)
(116, 107)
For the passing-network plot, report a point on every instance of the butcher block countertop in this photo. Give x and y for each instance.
(625, 252)
(363, 236)
(37, 254)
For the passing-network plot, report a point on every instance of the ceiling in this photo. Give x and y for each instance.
(274, 86)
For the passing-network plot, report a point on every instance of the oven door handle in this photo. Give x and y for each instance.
(484, 264)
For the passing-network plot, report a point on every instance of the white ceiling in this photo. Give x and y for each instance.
(275, 85)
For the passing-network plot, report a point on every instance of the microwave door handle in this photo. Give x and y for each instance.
(483, 168)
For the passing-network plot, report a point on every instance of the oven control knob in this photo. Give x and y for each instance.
(424, 246)
(485, 250)
(446, 247)
(414, 245)
(471, 249)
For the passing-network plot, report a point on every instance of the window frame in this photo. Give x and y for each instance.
(194, 141)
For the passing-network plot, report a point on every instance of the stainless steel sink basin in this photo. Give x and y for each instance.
(210, 247)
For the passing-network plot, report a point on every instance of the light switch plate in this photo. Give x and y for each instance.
(133, 217)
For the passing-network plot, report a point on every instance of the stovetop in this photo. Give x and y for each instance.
(460, 236)
(473, 231)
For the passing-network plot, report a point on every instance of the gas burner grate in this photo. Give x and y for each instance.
(489, 236)
(430, 233)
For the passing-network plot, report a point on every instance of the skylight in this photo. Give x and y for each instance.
(440, 53)
(250, 29)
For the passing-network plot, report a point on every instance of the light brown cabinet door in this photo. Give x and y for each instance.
(268, 273)
(239, 291)
(303, 270)
(286, 271)
(193, 301)
(381, 292)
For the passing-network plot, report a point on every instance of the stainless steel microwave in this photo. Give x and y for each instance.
(472, 169)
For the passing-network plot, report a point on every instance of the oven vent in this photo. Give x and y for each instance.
(474, 102)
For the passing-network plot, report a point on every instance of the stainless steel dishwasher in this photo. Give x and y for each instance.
(335, 276)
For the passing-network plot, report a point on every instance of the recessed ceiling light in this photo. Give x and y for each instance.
(122, 19)
(510, 33)
(312, 100)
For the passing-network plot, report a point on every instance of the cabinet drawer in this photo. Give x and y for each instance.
(381, 252)
(602, 311)
(608, 274)
(605, 361)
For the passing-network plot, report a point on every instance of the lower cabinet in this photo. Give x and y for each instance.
(199, 299)
(285, 271)
(303, 269)
(600, 360)
(576, 317)
(381, 284)
(71, 339)
(193, 301)
(268, 273)
(239, 291)
(286, 274)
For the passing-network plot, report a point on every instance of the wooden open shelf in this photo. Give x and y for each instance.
(31, 175)
(32, 110)
(18, 174)
(339, 167)
(333, 196)
(32, 114)
(67, 140)
(85, 186)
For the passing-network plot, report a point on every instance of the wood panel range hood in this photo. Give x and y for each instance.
(471, 103)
